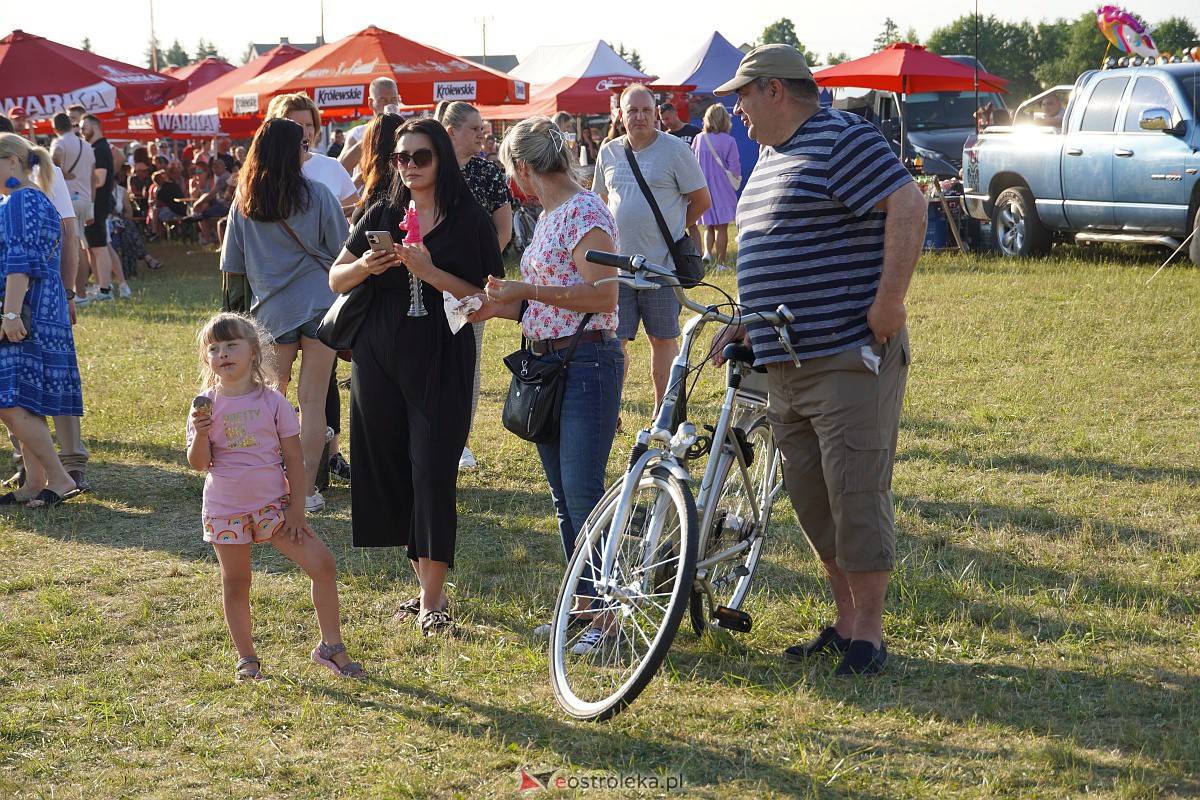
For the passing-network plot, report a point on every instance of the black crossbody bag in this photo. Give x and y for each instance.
(534, 403)
(689, 266)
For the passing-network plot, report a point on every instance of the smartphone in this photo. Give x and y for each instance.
(381, 241)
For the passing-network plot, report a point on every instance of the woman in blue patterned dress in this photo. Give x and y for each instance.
(39, 376)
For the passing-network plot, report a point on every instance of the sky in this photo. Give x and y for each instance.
(664, 34)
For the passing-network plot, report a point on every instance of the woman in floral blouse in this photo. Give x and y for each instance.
(557, 289)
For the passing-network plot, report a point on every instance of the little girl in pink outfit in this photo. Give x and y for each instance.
(243, 433)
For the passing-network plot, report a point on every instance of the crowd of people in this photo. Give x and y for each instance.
(830, 222)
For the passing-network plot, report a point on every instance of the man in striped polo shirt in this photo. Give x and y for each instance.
(830, 223)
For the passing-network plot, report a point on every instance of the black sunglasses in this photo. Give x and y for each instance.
(421, 158)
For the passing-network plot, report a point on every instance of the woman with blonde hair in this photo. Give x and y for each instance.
(557, 289)
(717, 153)
(39, 374)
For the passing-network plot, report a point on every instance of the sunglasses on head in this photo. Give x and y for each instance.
(421, 158)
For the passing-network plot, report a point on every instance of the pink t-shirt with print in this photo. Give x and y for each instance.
(247, 464)
(548, 262)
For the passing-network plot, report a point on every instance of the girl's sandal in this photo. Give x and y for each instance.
(408, 610)
(323, 654)
(246, 672)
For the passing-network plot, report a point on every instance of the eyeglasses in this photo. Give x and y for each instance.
(421, 158)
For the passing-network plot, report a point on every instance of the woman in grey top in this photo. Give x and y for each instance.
(284, 232)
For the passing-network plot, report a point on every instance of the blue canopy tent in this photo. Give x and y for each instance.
(710, 66)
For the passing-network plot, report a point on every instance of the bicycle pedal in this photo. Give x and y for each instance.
(733, 620)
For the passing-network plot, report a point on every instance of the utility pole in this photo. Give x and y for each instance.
(153, 40)
(322, 2)
(483, 22)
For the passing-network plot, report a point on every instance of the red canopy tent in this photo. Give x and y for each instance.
(45, 77)
(201, 73)
(337, 75)
(906, 69)
(196, 115)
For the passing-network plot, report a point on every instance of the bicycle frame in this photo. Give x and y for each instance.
(672, 446)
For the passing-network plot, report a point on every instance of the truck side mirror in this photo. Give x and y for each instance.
(1157, 119)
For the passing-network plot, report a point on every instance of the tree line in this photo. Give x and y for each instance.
(1033, 56)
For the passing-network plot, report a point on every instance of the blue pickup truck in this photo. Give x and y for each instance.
(1122, 167)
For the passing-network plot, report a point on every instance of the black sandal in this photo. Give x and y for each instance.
(408, 610)
(48, 498)
(438, 623)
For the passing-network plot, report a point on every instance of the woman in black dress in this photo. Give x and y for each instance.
(411, 378)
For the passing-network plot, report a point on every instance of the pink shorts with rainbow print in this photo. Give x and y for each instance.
(257, 526)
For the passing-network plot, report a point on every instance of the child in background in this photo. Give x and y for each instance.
(246, 491)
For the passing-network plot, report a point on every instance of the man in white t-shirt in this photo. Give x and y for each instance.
(382, 93)
(76, 159)
(673, 175)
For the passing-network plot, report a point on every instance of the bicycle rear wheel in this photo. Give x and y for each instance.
(729, 520)
(639, 603)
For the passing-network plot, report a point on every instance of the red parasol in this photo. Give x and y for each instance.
(905, 69)
(196, 115)
(337, 75)
(45, 77)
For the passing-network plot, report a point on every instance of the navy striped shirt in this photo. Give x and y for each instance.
(809, 234)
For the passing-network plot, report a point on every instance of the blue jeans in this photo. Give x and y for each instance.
(576, 463)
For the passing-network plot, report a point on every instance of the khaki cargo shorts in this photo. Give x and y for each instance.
(836, 421)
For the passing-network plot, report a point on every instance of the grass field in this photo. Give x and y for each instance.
(1042, 622)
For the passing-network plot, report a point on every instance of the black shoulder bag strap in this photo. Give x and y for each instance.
(658, 217)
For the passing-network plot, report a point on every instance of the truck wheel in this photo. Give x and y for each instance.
(1194, 247)
(1016, 230)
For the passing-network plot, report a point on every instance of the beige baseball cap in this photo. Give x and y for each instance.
(767, 61)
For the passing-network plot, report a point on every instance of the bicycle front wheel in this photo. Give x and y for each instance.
(637, 604)
(729, 521)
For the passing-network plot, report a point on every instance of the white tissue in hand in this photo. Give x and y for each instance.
(457, 310)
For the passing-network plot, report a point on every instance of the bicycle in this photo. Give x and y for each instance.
(649, 551)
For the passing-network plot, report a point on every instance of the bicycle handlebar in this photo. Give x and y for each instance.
(639, 265)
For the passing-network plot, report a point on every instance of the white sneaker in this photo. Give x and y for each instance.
(722, 268)
(313, 503)
(467, 459)
(706, 259)
(590, 642)
(101, 296)
(82, 300)
(125, 291)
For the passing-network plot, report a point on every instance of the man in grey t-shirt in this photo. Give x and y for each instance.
(674, 177)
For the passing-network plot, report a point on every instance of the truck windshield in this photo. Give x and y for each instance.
(930, 110)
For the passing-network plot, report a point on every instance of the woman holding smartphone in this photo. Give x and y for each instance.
(411, 378)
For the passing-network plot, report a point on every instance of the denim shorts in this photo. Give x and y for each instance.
(656, 309)
(308, 330)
